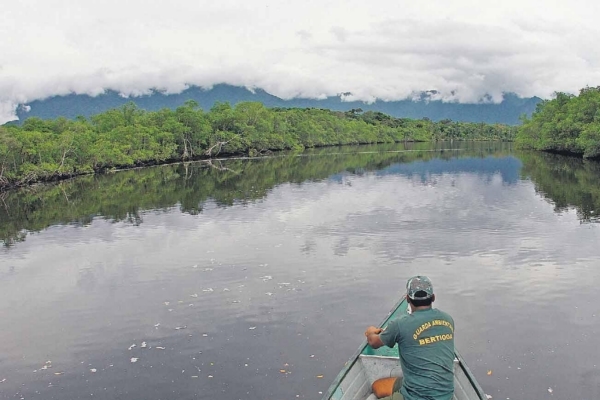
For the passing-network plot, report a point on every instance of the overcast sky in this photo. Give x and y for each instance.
(307, 48)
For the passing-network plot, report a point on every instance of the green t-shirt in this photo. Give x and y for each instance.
(426, 344)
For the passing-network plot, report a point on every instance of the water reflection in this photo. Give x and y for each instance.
(507, 167)
(128, 196)
(569, 183)
(125, 195)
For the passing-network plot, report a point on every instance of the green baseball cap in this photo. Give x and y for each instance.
(419, 284)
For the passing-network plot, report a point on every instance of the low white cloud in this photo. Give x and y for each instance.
(386, 49)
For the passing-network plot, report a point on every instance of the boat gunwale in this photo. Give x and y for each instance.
(356, 356)
(377, 356)
(478, 389)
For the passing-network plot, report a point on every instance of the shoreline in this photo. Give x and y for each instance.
(5, 187)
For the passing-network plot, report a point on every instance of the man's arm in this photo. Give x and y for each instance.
(372, 334)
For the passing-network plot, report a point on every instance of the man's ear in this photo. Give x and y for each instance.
(433, 298)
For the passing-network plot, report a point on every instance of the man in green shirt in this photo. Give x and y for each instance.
(425, 338)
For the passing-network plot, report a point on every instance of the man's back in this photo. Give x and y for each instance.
(426, 343)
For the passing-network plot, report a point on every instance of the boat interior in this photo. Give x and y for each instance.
(368, 368)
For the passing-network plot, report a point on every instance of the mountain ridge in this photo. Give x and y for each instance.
(70, 106)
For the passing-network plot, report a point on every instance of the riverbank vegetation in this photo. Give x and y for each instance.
(566, 124)
(44, 150)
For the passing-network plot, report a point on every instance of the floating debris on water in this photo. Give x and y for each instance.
(156, 325)
(3, 380)
(144, 345)
(194, 295)
(159, 347)
(167, 303)
(210, 376)
(266, 278)
(58, 373)
(208, 290)
(489, 372)
(226, 290)
(180, 327)
(252, 328)
(488, 396)
(195, 266)
(93, 370)
(550, 390)
(134, 359)
(205, 334)
(319, 376)
(269, 294)
(132, 346)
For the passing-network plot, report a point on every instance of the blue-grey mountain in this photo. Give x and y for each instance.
(507, 112)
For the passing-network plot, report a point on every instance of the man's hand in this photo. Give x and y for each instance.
(373, 330)
(372, 334)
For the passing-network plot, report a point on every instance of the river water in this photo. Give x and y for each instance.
(255, 279)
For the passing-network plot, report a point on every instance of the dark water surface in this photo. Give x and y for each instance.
(249, 279)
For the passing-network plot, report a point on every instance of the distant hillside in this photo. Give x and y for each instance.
(71, 106)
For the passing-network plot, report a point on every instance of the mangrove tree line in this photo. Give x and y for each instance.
(565, 124)
(41, 150)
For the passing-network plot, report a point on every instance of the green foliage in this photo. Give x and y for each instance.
(129, 136)
(567, 124)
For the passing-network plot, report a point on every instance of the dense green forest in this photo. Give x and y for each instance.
(41, 150)
(565, 124)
